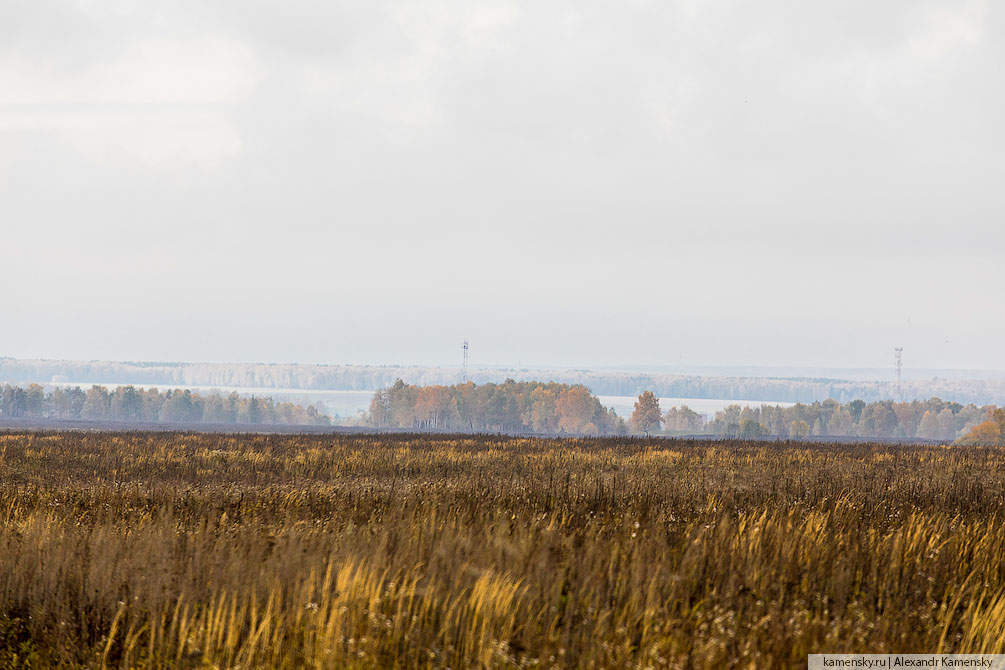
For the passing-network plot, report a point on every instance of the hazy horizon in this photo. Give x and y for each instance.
(564, 185)
(881, 373)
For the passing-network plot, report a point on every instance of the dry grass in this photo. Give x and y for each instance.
(404, 551)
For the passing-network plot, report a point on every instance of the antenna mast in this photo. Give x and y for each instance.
(898, 355)
(464, 369)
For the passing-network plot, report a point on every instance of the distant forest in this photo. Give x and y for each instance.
(368, 378)
(519, 406)
(561, 408)
(510, 406)
(127, 403)
(932, 419)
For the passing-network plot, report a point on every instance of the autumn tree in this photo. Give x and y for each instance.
(683, 420)
(799, 429)
(96, 403)
(512, 405)
(402, 404)
(929, 427)
(542, 416)
(647, 415)
(434, 407)
(998, 416)
(380, 409)
(986, 434)
(575, 408)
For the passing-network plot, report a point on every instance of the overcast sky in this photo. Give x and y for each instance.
(562, 182)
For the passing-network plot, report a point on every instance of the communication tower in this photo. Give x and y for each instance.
(464, 369)
(898, 355)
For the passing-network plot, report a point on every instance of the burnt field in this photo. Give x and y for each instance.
(167, 549)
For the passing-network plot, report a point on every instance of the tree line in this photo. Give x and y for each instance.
(128, 403)
(932, 419)
(563, 408)
(510, 406)
(649, 418)
(988, 433)
(521, 407)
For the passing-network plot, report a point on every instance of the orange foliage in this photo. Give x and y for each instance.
(987, 434)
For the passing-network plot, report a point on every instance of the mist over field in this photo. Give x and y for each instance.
(986, 388)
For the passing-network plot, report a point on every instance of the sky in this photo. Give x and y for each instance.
(566, 183)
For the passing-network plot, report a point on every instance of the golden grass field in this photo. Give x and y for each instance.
(406, 551)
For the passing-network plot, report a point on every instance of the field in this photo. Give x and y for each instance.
(409, 551)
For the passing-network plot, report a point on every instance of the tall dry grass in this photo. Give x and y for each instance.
(405, 551)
